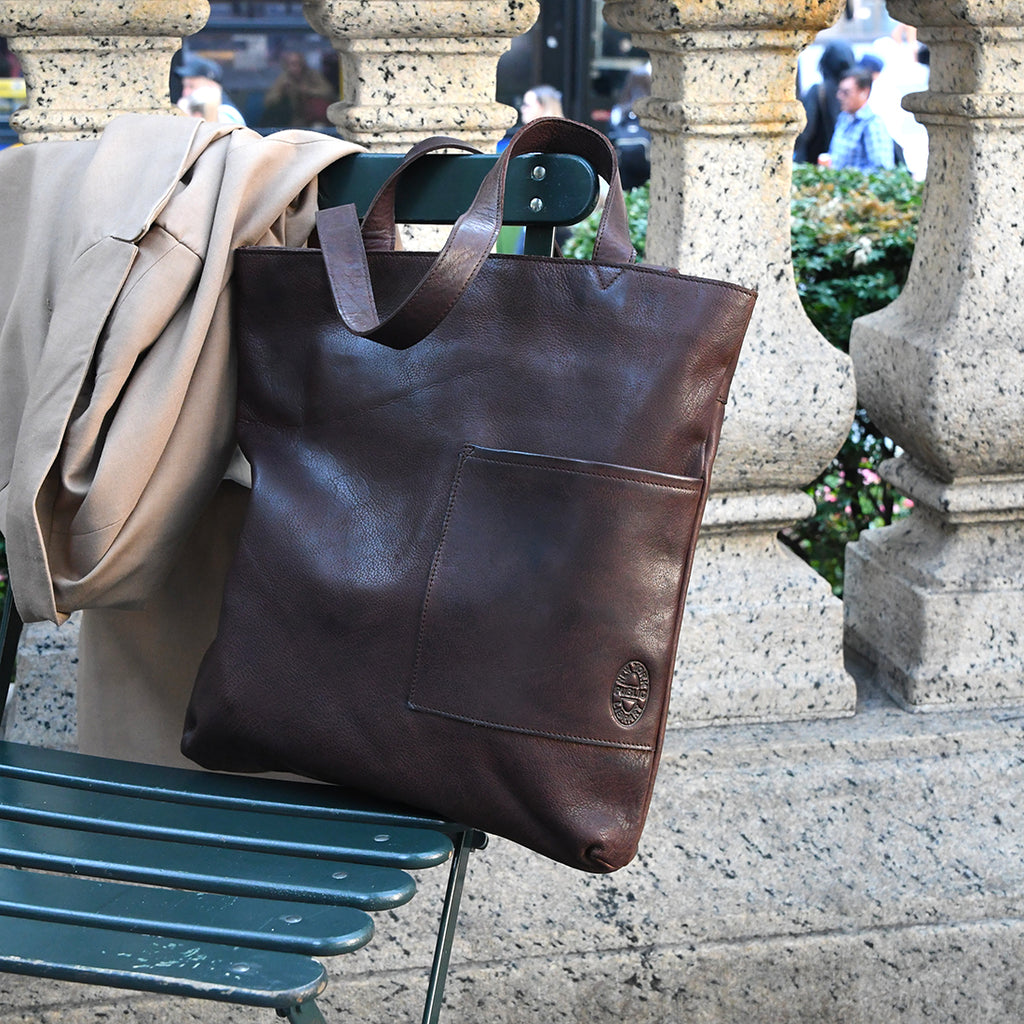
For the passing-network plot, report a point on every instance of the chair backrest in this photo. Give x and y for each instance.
(109, 805)
(543, 191)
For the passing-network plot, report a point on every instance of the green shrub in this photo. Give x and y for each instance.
(853, 238)
(581, 245)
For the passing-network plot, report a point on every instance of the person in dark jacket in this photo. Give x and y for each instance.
(631, 140)
(821, 103)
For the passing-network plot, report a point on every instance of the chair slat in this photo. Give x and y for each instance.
(205, 826)
(209, 917)
(236, 872)
(438, 189)
(191, 786)
(158, 964)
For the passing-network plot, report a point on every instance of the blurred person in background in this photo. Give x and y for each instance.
(299, 97)
(541, 101)
(821, 103)
(203, 102)
(860, 141)
(198, 73)
(631, 140)
(905, 70)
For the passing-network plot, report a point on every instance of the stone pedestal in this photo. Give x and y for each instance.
(762, 635)
(936, 601)
(86, 61)
(418, 68)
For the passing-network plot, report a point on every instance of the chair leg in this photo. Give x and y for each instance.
(309, 1013)
(464, 843)
(303, 1013)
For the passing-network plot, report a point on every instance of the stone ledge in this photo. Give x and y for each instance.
(851, 871)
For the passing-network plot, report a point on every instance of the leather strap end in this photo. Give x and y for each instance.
(347, 270)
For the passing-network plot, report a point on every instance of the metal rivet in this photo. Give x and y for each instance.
(291, 919)
(383, 838)
(538, 173)
(340, 874)
(536, 205)
(239, 968)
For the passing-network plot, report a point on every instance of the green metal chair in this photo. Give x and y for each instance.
(223, 887)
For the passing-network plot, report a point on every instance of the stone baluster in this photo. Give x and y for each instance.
(86, 61)
(762, 636)
(936, 600)
(417, 68)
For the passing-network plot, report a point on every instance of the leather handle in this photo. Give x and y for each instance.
(471, 239)
(379, 232)
(559, 135)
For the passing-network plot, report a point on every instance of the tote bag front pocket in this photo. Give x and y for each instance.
(583, 662)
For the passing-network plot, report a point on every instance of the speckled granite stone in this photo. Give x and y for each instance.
(747, 654)
(936, 602)
(41, 709)
(419, 68)
(763, 635)
(850, 870)
(85, 61)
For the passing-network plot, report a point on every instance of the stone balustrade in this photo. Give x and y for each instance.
(813, 858)
(763, 634)
(415, 68)
(937, 602)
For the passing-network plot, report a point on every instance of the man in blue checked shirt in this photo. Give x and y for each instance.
(860, 140)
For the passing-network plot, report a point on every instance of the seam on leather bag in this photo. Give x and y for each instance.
(522, 730)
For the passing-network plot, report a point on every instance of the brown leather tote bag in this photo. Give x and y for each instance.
(477, 485)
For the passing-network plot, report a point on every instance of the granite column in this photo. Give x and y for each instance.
(86, 61)
(935, 601)
(420, 67)
(762, 636)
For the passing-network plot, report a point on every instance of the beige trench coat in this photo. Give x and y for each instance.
(117, 393)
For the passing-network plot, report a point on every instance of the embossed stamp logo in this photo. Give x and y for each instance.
(630, 693)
